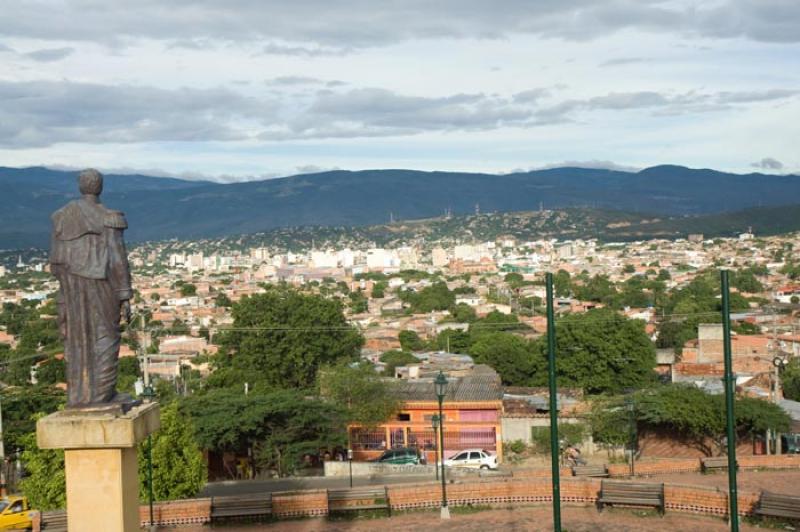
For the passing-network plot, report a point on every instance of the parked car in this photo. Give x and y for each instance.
(475, 458)
(403, 455)
(791, 443)
(15, 514)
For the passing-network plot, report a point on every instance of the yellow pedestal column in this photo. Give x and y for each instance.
(101, 467)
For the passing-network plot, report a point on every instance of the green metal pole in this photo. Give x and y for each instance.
(150, 478)
(551, 374)
(729, 397)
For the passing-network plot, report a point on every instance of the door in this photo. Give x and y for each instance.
(474, 459)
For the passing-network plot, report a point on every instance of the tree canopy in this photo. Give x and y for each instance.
(367, 399)
(280, 426)
(602, 351)
(179, 471)
(280, 339)
(511, 356)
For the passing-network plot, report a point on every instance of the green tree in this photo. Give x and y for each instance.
(222, 300)
(20, 408)
(179, 471)
(463, 313)
(188, 289)
(367, 399)
(453, 341)
(282, 337)
(45, 486)
(52, 371)
(358, 302)
(379, 290)
(745, 281)
(410, 341)
(629, 268)
(510, 356)
(128, 372)
(434, 297)
(562, 284)
(602, 351)
(791, 380)
(280, 426)
(699, 417)
(514, 279)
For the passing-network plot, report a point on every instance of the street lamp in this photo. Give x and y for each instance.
(440, 384)
(632, 436)
(148, 395)
(780, 363)
(435, 425)
(350, 459)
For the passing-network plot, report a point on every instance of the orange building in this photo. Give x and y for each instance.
(472, 409)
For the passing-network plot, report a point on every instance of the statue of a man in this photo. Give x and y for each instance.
(89, 259)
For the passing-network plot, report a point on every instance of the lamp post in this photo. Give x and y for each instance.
(350, 459)
(780, 363)
(148, 395)
(440, 385)
(632, 433)
(435, 425)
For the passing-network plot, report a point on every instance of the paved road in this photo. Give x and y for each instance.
(241, 487)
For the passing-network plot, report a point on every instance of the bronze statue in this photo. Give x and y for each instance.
(89, 259)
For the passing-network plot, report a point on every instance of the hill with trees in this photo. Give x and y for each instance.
(162, 208)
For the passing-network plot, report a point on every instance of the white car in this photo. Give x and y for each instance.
(475, 458)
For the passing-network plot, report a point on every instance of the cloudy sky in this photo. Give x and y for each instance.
(236, 89)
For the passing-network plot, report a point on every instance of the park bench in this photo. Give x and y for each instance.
(233, 506)
(775, 505)
(355, 499)
(54, 521)
(710, 463)
(631, 493)
(589, 471)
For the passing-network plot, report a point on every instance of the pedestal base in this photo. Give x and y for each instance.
(100, 461)
(445, 513)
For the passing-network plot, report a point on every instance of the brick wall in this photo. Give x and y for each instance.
(655, 467)
(190, 511)
(782, 461)
(300, 503)
(526, 487)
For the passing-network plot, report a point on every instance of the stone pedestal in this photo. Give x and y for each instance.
(100, 461)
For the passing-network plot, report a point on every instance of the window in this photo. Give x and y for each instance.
(474, 456)
(404, 416)
(460, 456)
(16, 507)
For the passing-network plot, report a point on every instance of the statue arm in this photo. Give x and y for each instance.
(118, 269)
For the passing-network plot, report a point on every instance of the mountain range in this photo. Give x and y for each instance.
(161, 208)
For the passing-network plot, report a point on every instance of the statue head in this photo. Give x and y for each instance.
(90, 182)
